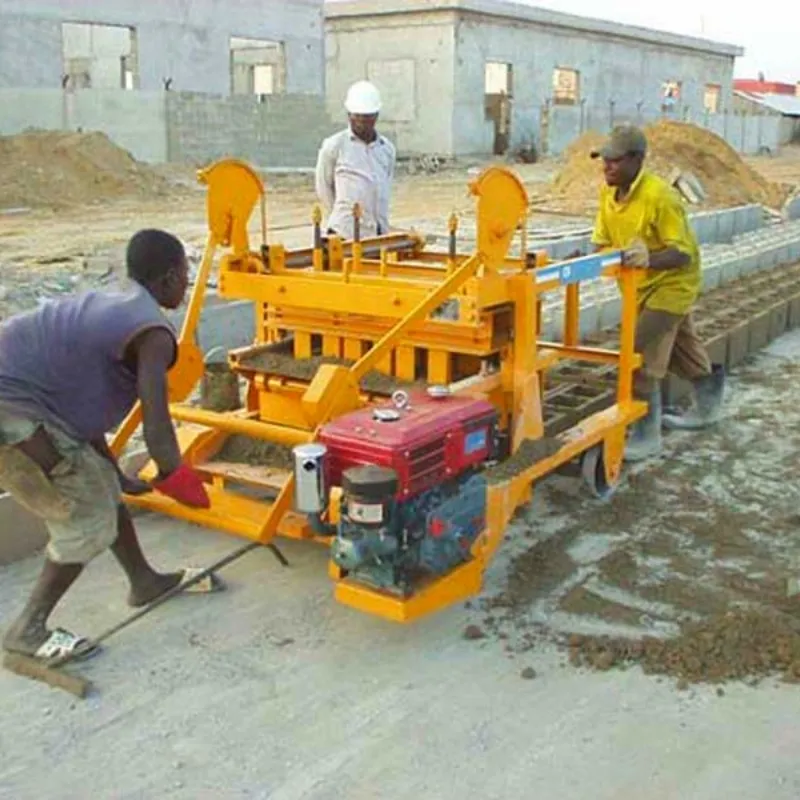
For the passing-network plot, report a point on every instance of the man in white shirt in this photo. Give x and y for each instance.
(357, 165)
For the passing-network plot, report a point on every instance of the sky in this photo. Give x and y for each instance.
(768, 30)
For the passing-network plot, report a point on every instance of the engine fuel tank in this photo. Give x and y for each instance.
(428, 441)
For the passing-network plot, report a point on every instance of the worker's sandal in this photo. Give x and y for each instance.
(61, 643)
(706, 409)
(645, 435)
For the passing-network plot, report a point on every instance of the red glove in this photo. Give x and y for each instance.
(185, 486)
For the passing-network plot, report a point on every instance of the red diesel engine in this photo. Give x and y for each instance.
(413, 500)
(425, 440)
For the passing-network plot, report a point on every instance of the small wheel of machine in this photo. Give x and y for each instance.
(593, 471)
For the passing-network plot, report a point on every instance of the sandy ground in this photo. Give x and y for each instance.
(45, 254)
(272, 690)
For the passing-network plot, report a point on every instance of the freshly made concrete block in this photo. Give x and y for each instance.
(759, 332)
(610, 312)
(778, 318)
(756, 218)
(738, 344)
(730, 269)
(784, 254)
(711, 276)
(792, 208)
(749, 262)
(589, 320)
(725, 225)
(793, 320)
(739, 220)
(702, 227)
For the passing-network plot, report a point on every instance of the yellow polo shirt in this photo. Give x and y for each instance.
(653, 212)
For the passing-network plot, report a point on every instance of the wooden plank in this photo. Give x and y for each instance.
(29, 667)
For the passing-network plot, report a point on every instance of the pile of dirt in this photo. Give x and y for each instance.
(740, 644)
(726, 178)
(56, 169)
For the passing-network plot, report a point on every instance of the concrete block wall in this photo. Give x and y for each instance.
(749, 134)
(283, 130)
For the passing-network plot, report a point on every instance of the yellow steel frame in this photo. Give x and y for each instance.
(371, 302)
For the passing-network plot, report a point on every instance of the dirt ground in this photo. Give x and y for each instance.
(45, 253)
(272, 690)
(533, 689)
(697, 552)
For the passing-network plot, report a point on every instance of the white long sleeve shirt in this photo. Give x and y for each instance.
(351, 171)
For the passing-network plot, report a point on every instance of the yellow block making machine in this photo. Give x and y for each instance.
(399, 390)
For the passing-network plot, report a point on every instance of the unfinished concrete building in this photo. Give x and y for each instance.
(170, 80)
(475, 77)
(129, 44)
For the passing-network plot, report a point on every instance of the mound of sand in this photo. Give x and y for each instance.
(727, 179)
(56, 169)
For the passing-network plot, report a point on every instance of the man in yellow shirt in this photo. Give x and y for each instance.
(643, 216)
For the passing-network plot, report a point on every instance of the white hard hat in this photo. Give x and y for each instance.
(363, 98)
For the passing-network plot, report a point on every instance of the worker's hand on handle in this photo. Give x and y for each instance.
(636, 255)
(185, 486)
(133, 486)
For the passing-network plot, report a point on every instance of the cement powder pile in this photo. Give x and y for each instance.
(56, 169)
(726, 178)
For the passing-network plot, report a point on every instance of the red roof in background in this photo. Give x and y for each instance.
(764, 87)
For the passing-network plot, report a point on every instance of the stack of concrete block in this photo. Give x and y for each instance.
(710, 227)
(754, 250)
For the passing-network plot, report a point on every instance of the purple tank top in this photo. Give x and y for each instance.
(63, 362)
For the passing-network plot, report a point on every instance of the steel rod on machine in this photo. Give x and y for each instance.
(304, 258)
(265, 431)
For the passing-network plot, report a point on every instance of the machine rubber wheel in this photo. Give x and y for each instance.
(593, 470)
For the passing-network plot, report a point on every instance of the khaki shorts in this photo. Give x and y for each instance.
(668, 343)
(85, 477)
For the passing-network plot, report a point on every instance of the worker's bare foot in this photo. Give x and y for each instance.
(151, 588)
(25, 639)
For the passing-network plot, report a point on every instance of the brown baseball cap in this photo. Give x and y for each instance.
(624, 140)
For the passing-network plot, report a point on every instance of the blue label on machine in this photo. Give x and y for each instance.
(475, 441)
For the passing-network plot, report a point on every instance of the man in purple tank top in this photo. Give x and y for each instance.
(70, 372)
